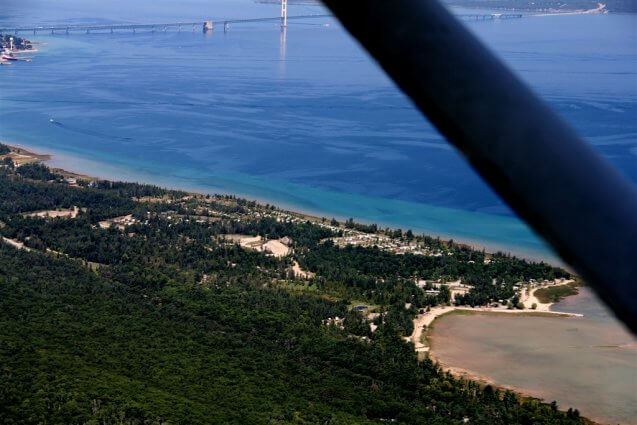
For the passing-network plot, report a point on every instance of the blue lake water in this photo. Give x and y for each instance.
(303, 119)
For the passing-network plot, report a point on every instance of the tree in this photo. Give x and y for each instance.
(356, 324)
(444, 296)
(36, 171)
(172, 311)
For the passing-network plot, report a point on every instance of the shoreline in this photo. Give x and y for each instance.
(69, 172)
(523, 393)
(21, 155)
(29, 155)
(62, 163)
(423, 323)
(484, 379)
(528, 299)
(600, 9)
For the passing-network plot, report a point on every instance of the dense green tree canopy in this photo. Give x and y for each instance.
(165, 322)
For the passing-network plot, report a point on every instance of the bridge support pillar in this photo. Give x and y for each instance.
(284, 13)
(208, 26)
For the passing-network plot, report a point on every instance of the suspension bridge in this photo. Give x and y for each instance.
(205, 26)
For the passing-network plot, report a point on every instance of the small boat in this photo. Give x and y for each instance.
(9, 58)
(51, 120)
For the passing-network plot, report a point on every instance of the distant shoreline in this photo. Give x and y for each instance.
(531, 11)
(70, 170)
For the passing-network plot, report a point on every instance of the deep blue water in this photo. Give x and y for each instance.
(304, 120)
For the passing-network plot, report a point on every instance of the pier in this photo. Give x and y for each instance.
(203, 25)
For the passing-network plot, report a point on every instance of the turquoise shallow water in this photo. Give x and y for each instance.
(304, 120)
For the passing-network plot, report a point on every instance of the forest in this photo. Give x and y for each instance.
(165, 322)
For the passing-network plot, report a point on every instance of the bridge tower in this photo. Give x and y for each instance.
(284, 13)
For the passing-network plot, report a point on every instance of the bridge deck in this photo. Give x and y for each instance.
(159, 26)
(196, 25)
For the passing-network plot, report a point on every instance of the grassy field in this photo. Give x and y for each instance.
(555, 294)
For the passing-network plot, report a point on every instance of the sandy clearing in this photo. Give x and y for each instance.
(300, 273)
(70, 213)
(276, 248)
(15, 244)
(120, 222)
(250, 241)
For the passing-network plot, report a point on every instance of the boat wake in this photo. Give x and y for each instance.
(88, 132)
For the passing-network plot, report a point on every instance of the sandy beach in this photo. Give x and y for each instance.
(423, 321)
(70, 165)
(21, 156)
(423, 324)
(546, 357)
